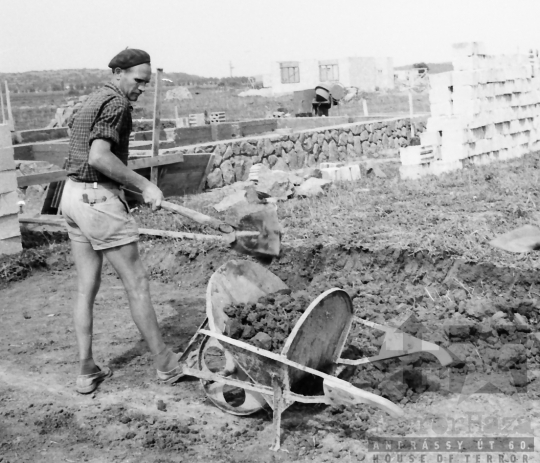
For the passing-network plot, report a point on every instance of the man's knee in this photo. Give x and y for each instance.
(137, 282)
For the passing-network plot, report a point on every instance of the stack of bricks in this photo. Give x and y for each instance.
(488, 108)
(10, 235)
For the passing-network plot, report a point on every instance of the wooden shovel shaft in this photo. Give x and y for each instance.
(198, 217)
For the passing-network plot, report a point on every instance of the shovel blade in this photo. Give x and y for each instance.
(522, 239)
(268, 240)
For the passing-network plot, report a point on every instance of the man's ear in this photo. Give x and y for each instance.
(117, 71)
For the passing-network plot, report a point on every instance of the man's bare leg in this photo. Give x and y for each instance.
(127, 263)
(88, 264)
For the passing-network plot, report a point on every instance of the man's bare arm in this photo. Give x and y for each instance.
(101, 158)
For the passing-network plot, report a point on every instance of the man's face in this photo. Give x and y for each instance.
(132, 81)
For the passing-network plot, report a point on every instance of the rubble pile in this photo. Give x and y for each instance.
(65, 112)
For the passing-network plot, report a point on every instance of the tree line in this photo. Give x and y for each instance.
(81, 81)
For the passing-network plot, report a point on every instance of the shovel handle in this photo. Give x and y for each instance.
(198, 217)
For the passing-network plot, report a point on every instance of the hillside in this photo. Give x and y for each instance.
(434, 68)
(85, 80)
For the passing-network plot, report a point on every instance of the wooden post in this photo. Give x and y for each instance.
(411, 112)
(364, 105)
(176, 116)
(11, 122)
(2, 104)
(157, 123)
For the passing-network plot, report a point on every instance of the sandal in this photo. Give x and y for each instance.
(88, 383)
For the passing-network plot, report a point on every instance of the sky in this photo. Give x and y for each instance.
(203, 37)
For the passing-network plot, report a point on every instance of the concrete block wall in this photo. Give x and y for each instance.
(233, 159)
(487, 108)
(223, 131)
(10, 235)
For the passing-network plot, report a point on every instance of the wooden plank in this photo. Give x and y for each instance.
(59, 175)
(11, 122)
(161, 160)
(39, 179)
(209, 167)
(157, 123)
(2, 105)
(178, 179)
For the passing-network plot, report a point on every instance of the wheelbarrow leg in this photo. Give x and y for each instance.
(279, 406)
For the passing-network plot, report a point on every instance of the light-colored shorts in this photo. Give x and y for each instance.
(97, 213)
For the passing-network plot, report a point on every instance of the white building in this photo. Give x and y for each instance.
(366, 73)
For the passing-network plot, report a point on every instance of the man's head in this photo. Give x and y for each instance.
(131, 72)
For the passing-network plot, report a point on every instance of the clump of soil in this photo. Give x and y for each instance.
(275, 315)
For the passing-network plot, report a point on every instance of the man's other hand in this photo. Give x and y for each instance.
(152, 195)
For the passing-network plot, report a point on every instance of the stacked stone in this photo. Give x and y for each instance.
(10, 235)
(233, 160)
(487, 108)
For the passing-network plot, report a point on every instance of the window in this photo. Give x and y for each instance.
(329, 72)
(290, 73)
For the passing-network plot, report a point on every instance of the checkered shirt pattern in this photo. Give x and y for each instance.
(106, 114)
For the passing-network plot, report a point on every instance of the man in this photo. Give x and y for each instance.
(97, 216)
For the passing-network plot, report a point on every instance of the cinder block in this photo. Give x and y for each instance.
(490, 130)
(6, 159)
(452, 151)
(469, 48)
(356, 173)
(418, 154)
(441, 80)
(465, 92)
(430, 138)
(8, 203)
(330, 173)
(466, 107)
(10, 246)
(8, 181)
(330, 165)
(439, 123)
(481, 76)
(440, 94)
(9, 226)
(453, 137)
(344, 174)
(465, 78)
(5, 136)
(441, 108)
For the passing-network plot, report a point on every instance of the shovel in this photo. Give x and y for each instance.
(522, 239)
(259, 233)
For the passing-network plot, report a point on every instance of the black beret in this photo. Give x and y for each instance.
(128, 58)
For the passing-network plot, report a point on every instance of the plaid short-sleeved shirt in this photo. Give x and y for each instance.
(106, 114)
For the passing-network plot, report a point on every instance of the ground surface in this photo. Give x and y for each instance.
(413, 249)
(44, 420)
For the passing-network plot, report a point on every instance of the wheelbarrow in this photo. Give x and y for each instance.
(314, 347)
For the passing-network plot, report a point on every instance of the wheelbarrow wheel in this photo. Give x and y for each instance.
(236, 401)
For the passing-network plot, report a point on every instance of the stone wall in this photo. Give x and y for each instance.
(362, 140)
(10, 235)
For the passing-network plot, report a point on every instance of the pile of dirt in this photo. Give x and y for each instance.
(274, 315)
(492, 334)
